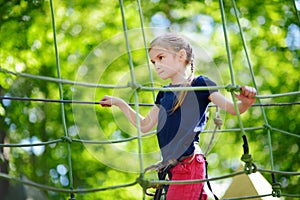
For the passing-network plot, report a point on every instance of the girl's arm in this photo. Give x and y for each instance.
(146, 123)
(246, 97)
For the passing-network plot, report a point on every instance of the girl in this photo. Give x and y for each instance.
(180, 116)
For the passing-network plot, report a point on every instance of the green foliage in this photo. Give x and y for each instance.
(92, 49)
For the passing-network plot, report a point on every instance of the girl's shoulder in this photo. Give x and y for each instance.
(203, 81)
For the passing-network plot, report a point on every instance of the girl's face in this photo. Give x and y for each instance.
(167, 63)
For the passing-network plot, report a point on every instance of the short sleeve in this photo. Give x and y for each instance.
(159, 96)
(204, 81)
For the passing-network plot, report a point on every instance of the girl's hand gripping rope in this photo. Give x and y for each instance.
(246, 98)
(108, 101)
(247, 95)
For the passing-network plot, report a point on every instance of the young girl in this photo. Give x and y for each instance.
(180, 116)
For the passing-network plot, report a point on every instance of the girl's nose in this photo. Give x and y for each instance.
(157, 66)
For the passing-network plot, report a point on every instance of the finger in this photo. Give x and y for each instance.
(105, 101)
(245, 91)
(238, 96)
(104, 104)
(248, 91)
(251, 92)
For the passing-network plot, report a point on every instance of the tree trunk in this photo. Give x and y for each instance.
(4, 184)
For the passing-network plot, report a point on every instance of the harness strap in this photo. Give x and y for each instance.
(163, 169)
(208, 183)
(158, 192)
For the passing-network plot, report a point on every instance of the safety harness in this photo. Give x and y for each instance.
(164, 170)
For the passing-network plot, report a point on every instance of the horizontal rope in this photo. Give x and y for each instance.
(129, 85)
(136, 137)
(279, 172)
(277, 95)
(69, 139)
(57, 80)
(55, 189)
(285, 132)
(247, 197)
(131, 104)
(179, 182)
(114, 141)
(137, 86)
(32, 144)
(151, 182)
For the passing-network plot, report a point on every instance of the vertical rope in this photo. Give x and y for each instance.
(254, 83)
(230, 66)
(227, 42)
(297, 12)
(218, 123)
(136, 100)
(146, 48)
(61, 96)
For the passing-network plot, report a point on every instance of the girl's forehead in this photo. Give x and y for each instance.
(156, 50)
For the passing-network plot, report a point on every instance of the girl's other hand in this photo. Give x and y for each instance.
(108, 101)
(247, 95)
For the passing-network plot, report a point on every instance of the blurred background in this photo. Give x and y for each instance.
(92, 49)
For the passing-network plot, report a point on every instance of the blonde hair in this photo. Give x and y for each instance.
(175, 42)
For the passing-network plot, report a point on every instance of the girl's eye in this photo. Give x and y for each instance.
(160, 57)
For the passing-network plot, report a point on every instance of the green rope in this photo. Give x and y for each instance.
(230, 67)
(59, 80)
(278, 95)
(218, 124)
(135, 137)
(226, 41)
(94, 85)
(32, 145)
(136, 100)
(146, 48)
(248, 197)
(177, 89)
(61, 97)
(54, 189)
(286, 132)
(131, 104)
(279, 172)
(296, 11)
(255, 85)
(148, 182)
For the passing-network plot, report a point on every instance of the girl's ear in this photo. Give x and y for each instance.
(182, 55)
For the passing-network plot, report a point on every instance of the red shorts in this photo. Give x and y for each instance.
(188, 171)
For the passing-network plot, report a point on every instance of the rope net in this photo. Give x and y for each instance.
(105, 147)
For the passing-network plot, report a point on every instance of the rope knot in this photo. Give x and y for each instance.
(267, 126)
(276, 189)
(218, 122)
(233, 88)
(66, 139)
(249, 167)
(145, 184)
(134, 86)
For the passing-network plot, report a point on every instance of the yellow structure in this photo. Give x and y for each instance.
(249, 185)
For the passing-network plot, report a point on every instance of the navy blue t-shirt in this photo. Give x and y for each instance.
(178, 130)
